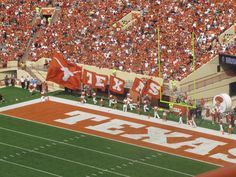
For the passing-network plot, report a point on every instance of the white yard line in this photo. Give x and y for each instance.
(77, 131)
(31, 168)
(63, 159)
(100, 152)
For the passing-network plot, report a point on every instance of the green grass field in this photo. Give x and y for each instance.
(29, 149)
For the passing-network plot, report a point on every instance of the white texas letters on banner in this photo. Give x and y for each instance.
(138, 86)
(153, 89)
(87, 77)
(100, 81)
(117, 85)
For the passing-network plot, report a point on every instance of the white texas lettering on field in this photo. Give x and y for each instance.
(114, 126)
(158, 136)
(78, 116)
(225, 157)
(153, 135)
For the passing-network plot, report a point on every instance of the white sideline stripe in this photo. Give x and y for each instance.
(31, 168)
(100, 152)
(63, 159)
(26, 103)
(145, 147)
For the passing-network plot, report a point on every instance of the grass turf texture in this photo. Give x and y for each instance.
(13, 95)
(43, 151)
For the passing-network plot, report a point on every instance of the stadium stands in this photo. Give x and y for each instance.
(85, 32)
(16, 28)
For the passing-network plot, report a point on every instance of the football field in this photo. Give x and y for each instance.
(30, 149)
(35, 146)
(63, 137)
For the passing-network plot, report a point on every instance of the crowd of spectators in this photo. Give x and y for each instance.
(32, 84)
(16, 27)
(85, 33)
(232, 49)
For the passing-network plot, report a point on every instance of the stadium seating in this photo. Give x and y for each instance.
(16, 26)
(85, 32)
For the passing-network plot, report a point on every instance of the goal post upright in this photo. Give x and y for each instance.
(158, 52)
(194, 67)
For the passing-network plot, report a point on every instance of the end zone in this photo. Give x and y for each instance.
(199, 143)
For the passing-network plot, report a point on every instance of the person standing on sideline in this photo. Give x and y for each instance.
(31, 89)
(188, 122)
(155, 110)
(22, 82)
(13, 81)
(94, 95)
(125, 105)
(2, 98)
(180, 117)
(221, 127)
(27, 82)
(101, 102)
(82, 97)
(230, 128)
(110, 100)
(44, 97)
(145, 106)
(193, 123)
(6, 80)
(164, 116)
(130, 103)
(138, 107)
(115, 101)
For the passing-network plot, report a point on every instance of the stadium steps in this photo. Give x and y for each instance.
(38, 33)
(31, 40)
(56, 14)
(228, 37)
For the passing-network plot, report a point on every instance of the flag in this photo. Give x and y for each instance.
(153, 89)
(138, 86)
(64, 73)
(99, 81)
(87, 77)
(117, 85)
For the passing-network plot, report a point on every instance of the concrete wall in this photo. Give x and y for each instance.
(209, 82)
(213, 89)
(228, 36)
(206, 71)
(9, 73)
(12, 64)
(21, 73)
